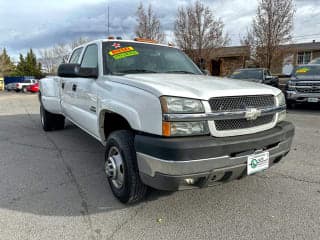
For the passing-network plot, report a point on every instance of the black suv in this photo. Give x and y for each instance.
(259, 75)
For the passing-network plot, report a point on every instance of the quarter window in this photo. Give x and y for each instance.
(90, 57)
(304, 57)
(75, 55)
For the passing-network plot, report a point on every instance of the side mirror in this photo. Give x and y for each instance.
(75, 70)
(205, 72)
(68, 70)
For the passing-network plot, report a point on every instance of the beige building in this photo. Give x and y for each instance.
(223, 61)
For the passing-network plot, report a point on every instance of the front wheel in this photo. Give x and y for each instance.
(50, 121)
(24, 90)
(291, 104)
(122, 169)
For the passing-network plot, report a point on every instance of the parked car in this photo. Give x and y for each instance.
(163, 122)
(304, 85)
(20, 86)
(33, 88)
(259, 75)
(315, 61)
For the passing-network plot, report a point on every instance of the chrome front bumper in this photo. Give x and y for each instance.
(150, 165)
(301, 97)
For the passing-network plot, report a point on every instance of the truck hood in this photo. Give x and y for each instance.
(193, 86)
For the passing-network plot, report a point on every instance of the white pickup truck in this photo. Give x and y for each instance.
(163, 122)
(20, 86)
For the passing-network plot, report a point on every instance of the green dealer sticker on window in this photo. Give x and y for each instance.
(123, 53)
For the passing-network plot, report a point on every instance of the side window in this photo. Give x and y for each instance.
(75, 55)
(90, 57)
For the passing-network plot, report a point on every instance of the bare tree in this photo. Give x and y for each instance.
(248, 41)
(197, 31)
(272, 27)
(149, 25)
(51, 58)
(48, 60)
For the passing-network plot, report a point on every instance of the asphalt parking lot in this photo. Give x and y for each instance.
(52, 186)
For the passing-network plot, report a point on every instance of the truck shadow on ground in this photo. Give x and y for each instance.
(56, 173)
(304, 108)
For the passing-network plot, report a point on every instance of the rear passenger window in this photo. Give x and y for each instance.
(90, 57)
(75, 55)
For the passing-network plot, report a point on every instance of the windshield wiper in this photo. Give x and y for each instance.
(137, 71)
(186, 72)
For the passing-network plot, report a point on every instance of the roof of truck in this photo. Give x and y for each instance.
(127, 41)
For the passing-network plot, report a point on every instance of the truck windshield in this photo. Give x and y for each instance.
(308, 70)
(247, 74)
(129, 58)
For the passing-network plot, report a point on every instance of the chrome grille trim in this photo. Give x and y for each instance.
(218, 115)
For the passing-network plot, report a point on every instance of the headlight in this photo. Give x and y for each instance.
(178, 129)
(181, 105)
(281, 100)
(282, 116)
(291, 86)
(176, 105)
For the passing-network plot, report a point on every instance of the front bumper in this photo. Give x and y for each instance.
(166, 163)
(300, 97)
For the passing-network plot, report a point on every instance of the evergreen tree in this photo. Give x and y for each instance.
(6, 65)
(21, 67)
(28, 66)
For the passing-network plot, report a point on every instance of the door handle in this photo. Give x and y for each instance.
(74, 87)
(62, 85)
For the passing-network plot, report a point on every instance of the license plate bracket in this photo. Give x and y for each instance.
(313, 100)
(257, 162)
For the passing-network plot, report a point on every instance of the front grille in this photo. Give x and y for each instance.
(309, 84)
(242, 103)
(309, 90)
(238, 103)
(234, 124)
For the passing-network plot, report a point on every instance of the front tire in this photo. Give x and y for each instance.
(122, 169)
(50, 121)
(291, 104)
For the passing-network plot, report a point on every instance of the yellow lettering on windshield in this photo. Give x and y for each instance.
(303, 70)
(120, 50)
(124, 52)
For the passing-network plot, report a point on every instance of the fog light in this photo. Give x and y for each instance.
(189, 181)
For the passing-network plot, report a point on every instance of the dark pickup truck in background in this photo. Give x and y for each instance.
(304, 85)
(259, 75)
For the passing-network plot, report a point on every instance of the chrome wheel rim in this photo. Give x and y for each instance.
(114, 167)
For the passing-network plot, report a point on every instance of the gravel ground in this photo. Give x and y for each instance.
(52, 186)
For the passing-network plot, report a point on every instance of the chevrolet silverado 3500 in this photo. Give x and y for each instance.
(165, 124)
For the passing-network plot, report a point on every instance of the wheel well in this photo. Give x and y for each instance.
(113, 122)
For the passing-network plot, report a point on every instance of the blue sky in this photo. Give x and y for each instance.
(42, 23)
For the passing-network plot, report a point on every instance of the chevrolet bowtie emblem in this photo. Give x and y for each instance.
(252, 113)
